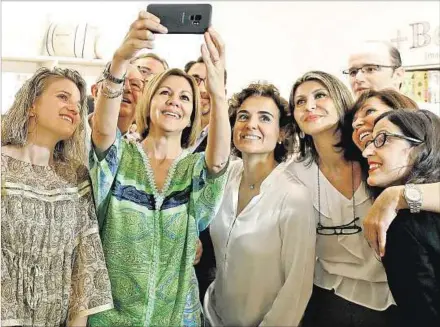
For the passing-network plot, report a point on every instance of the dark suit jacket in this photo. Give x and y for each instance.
(205, 269)
(412, 264)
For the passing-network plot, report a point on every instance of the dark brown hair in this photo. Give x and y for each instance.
(263, 89)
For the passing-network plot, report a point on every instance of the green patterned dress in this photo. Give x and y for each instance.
(149, 238)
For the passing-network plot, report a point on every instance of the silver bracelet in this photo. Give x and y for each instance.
(110, 93)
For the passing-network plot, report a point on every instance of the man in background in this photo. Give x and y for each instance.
(205, 268)
(133, 87)
(149, 65)
(374, 65)
(197, 69)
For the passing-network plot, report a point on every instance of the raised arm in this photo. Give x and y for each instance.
(219, 137)
(108, 103)
(385, 208)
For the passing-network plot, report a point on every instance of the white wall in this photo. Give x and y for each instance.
(275, 41)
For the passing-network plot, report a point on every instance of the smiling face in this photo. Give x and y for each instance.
(57, 109)
(314, 110)
(256, 128)
(363, 121)
(133, 88)
(390, 163)
(172, 105)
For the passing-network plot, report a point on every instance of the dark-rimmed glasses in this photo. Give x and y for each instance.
(199, 80)
(136, 84)
(145, 71)
(366, 69)
(347, 229)
(381, 138)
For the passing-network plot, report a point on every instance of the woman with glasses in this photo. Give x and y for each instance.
(358, 126)
(405, 149)
(350, 284)
(264, 232)
(153, 197)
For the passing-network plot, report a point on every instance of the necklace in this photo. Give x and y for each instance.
(346, 229)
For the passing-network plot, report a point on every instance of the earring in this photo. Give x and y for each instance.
(302, 135)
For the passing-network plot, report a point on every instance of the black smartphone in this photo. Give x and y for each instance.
(183, 18)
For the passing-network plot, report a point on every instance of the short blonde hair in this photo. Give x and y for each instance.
(189, 134)
(15, 125)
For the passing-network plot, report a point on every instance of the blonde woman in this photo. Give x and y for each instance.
(53, 266)
(152, 196)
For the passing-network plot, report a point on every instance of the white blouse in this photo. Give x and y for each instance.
(345, 263)
(265, 256)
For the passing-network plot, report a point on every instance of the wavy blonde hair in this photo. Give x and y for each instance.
(143, 107)
(15, 124)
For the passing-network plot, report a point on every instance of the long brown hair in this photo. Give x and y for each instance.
(342, 99)
(15, 125)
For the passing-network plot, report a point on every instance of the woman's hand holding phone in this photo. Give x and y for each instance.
(139, 36)
(213, 53)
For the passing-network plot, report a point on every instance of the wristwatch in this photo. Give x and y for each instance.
(413, 197)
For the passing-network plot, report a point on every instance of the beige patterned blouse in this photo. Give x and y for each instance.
(52, 260)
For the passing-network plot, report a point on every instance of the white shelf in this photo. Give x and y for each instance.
(63, 60)
(422, 67)
(17, 64)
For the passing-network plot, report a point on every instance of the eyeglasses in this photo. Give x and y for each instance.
(381, 138)
(145, 71)
(199, 80)
(366, 69)
(136, 84)
(347, 229)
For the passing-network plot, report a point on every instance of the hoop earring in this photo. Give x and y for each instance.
(302, 135)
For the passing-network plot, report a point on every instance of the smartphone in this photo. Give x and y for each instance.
(183, 18)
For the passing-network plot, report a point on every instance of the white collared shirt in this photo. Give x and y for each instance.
(265, 257)
(345, 263)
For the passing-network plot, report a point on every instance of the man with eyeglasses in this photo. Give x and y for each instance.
(197, 69)
(150, 64)
(133, 87)
(374, 65)
(205, 268)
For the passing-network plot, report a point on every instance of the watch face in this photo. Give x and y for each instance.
(413, 195)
